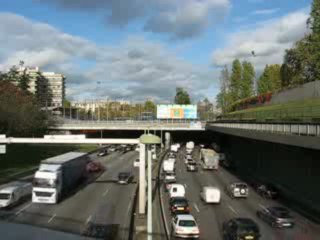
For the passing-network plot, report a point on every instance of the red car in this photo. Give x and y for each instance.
(95, 166)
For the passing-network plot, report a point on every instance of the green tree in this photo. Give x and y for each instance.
(235, 80)
(182, 96)
(24, 80)
(224, 98)
(270, 80)
(248, 76)
(149, 106)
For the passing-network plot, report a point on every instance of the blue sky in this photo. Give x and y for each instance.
(145, 48)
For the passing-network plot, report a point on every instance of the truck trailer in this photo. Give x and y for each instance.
(209, 159)
(57, 176)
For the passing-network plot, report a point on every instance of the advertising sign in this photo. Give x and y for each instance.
(175, 111)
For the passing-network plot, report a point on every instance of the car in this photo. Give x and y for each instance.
(94, 166)
(102, 153)
(185, 226)
(267, 191)
(125, 177)
(179, 205)
(278, 217)
(112, 149)
(172, 155)
(192, 166)
(238, 190)
(210, 194)
(136, 162)
(126, 149)
(187, 158)
(170, 177)
(240, 228)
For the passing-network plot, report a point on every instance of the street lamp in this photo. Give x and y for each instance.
(148, 139)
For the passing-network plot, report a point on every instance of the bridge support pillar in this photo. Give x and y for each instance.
(142, 180)
(167, 140)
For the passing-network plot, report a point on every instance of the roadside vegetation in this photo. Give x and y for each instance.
(301, 64)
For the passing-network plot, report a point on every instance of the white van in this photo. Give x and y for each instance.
(210, 194)
(177, 190)
(14, 193)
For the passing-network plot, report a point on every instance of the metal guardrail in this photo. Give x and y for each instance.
(303, 129)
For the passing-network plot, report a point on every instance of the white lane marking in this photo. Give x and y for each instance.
(232, 209)
(263, 207)
(105, 192)
(185, 185)
(53, 216)
(196, 207)
(128, 209)
(89, 219)
(22, 209)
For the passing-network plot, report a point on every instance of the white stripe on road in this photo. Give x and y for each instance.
(128, 209)
(232, 209)
(53, 216)
(263, 207)
(22, 209)
(196, 207)
(185, 185)
(89, 219)
(105, 192)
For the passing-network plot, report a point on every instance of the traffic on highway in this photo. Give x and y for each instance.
(209, 202)
(93, 204)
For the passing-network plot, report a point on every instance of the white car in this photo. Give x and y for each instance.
(210, 194)
(136, 163)
(177, 190)
(14, 193)
(185, 226)
(170, 177)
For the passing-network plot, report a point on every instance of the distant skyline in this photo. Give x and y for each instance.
(142, 49)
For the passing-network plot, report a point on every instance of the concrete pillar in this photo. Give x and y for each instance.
(142, 179)
(167, 140)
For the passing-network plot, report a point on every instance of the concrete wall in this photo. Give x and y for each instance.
(306, 91)
(294, 170)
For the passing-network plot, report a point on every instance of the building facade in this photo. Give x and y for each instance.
(56, 88)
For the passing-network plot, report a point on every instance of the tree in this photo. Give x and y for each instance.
(224, 98)
(149, 106)
(270, 80)
(24, 80)
(182, 96)
(246, 85)
(235, 80)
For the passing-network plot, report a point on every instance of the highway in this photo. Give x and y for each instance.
(211, 217)
(101, 207)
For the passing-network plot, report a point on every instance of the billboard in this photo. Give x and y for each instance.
(165, 111)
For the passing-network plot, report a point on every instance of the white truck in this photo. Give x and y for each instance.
(189, 147)
(174, 148)
(57, 176)
(14, 193)
(209, 159)
(168, 166)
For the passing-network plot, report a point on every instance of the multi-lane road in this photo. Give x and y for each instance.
(211, 217)
(102, 208)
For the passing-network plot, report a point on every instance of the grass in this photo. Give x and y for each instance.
(21, 159)
(300, 110)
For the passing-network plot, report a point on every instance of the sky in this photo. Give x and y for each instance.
(143, 49)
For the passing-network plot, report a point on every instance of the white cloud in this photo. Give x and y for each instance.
(134, 69)
(265, 11)
(178, 19)
(268, 39)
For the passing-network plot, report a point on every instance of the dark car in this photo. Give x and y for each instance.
(277, 217)
(267, 191)
(102, 153)
(179, 205)
(240, 229)
(125, 177)
(192, 166)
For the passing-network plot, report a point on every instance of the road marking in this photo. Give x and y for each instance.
(53, 216)
(185, 185)
(105, 192)
(89, 219)
(263, 207)
(22, 209)
(196, 207)
(232, 209)
(128, 209)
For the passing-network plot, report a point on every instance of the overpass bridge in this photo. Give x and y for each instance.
(158, 125)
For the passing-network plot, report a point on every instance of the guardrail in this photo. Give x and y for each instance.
(304, 129)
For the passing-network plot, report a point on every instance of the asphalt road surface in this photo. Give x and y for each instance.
(100, 208)
(211, 217)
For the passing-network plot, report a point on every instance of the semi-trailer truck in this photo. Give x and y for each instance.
(57, 176)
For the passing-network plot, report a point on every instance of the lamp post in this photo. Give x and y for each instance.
(148, 139)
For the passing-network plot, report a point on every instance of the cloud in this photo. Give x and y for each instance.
(265, 11)
(171, 17)
(268, 39)
(135, 69)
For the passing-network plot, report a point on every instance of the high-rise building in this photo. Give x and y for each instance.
(56, 88)
(49, 87)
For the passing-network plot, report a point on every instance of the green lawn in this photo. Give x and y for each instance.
(20, 158)
(308, 110)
